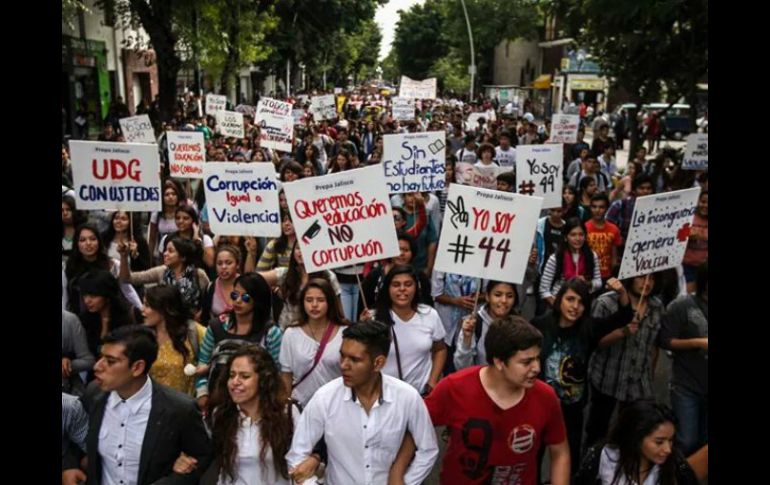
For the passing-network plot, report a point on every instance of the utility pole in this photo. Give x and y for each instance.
(472, 68)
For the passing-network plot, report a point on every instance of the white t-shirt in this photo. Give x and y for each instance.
(506, 158)
(298, 351)
(465, 155)
(415, 340)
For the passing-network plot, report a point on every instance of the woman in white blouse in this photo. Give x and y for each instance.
(253, 427)
(417, 353)
(310, 348)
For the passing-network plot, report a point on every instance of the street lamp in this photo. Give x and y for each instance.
(472, 68)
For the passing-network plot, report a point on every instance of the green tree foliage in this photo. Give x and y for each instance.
(451, 73)
(418, 40)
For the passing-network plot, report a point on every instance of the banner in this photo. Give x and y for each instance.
(696, 155)
(186, 153)
(487, 234)
(215, 103)
(323, 107)
(660, 228)
(230, 123)
(414, 162)
(276, 124)
(342, 219)
(410, 88)
(138, 129)
(538, 172)
(116, 176)
(481, 177)
(403, 109)
(298, 116)
(564, 128)
(242, 199)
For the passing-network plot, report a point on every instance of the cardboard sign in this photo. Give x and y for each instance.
(337, 90)
(242, 199)
(403, 109)
(660, 228)
(323, 107)
(696, 155)
(245, 109)
(138, 129)
(298, 116)
(473, 121)
(414, 162)
(342, 219)
(539, 172)
(186, 154)
(487, 234)
(276, 124)
(481, 177)
(410, 88)
(564, 128)
(116, 176)
(215, 103)
(230, 123)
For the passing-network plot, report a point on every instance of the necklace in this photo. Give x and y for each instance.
(312, 332)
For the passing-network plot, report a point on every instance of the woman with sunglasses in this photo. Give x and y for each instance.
(179, 337)
(248, 321)
(286, 283)
(417, 353)
(310, 348)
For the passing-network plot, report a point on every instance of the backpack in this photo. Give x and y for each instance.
(225, 345)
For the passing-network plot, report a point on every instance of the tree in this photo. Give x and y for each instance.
(389, 66)
(450, 73)
(644, 46)
(418, 39)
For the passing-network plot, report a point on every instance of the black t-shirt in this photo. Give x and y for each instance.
(552, 236)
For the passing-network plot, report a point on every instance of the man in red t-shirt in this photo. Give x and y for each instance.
(603, 236)
(498, 416)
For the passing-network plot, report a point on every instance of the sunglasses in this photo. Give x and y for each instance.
(245, 298)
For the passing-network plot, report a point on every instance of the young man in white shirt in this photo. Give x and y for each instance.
(363, 417)
(505, 154)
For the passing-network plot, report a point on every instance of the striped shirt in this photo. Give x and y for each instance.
(271, 259)
(549, 285)
(74, 421)
(624, 369)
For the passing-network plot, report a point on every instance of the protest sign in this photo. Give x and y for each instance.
(215, 103)
(116, 176)
(276, 124)
(403, 109)
(696, 155)
(186, 153)
(414, 162)
(137, 129)
(245, 109)
(564, 128)
(538, 172)
(481, 177)
(473, 121)
(323, 107)
(230, 123)
(425, 89)
(242, 199)
(342, 219)
(487, 234)
(660, 228)
(298, 116)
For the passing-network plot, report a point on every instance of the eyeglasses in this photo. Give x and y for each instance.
(245, 298)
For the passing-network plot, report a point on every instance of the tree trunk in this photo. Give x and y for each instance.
(168, 69)
(633, 127)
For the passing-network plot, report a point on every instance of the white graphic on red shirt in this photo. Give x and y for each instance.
(522, 438)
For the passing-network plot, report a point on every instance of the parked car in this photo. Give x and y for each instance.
(676, 120)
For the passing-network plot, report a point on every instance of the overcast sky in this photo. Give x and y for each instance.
(387, 17)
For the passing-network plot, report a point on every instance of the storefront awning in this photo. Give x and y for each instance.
(542, 82)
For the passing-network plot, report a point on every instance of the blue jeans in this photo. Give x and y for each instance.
(691, 412)
(349, 299)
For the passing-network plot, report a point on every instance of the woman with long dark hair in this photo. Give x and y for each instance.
(164, 222)
(310, 348)
(179, 337)
(105, 307)
(573, 259)
(187, 223)
(216, 300)
(639, 450)
(570, 205)
(71, 218)
(119, 231)
(277, 253)
(417, 353)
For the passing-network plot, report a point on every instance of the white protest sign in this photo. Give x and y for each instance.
(116, 176)
(538, 172)
(245, 109)
(186, 153)
(410, 88)
(230, 123)
(298, 116)
(564, 128)
(696, 155)
(215, 103)
(323, 107)
(487, 234)
(473, 120)
(403, 109)
(276, 124)
(481, 177)
(414, 162)
(660, 228)
(337, 90)
(342, 219)
(242, 199)
(137, 129)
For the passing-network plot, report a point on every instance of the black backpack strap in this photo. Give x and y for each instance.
(217, 329)
(477, 328)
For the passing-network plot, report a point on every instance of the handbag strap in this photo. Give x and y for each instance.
(398, 354)
(324, 340)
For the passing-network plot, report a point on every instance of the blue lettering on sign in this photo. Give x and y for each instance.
(95, 193)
